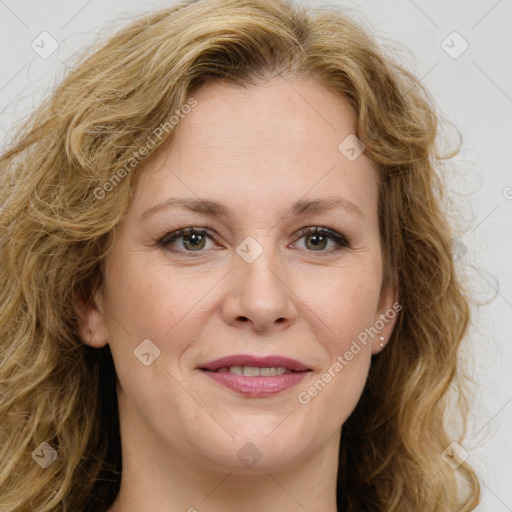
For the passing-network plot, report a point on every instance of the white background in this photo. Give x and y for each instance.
(473, 90)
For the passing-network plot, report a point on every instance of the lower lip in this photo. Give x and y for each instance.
(257, 386)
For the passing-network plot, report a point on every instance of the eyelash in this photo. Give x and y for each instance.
(168, 238)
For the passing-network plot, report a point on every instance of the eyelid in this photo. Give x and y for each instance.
(340, 239)
(332, 233)
(177, 233)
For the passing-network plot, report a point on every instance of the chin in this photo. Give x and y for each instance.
(251, 453)
(255, 458)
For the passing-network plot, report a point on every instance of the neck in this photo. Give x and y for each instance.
(158, 478)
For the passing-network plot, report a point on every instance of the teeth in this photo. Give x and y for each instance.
(251, 371)
(254, 371)
(270, 372)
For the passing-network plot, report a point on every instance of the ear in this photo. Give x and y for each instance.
(92, 329)
(387, 313)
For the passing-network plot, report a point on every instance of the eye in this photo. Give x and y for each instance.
(317, 239)
(195, 239)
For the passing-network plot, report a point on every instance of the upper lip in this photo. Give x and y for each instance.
(255, 361)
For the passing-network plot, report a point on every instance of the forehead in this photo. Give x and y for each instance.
(276, 141)
(279, 111)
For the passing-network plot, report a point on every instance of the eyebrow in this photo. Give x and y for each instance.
(213, 208)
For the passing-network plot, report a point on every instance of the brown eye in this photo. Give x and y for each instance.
(195, 241)
(317, 239)
(192, 240)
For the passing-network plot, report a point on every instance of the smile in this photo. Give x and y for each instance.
(254, 371)
(254, 376)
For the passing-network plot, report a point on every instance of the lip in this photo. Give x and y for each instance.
(256, 387)
(256, 361)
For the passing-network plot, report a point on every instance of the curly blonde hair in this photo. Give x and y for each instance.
(56, 232)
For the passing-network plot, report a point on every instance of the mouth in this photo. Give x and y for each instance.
(254, 376)
(254, 371)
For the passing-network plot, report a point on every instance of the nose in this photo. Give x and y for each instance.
(261, 294)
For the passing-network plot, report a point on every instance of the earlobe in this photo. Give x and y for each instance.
(91, 328)
(389, 308)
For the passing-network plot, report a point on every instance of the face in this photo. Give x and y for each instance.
(252, 279)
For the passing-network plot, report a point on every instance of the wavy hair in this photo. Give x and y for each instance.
(61, 206)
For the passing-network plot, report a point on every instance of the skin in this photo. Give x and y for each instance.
(257, 151)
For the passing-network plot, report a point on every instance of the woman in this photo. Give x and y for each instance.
(227, 278)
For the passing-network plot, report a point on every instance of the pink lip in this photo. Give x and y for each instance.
(259, 362)
(256, 386)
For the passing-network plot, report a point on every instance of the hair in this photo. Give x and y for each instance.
(67, 179)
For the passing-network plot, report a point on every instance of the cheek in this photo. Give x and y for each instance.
(169, 308)
(347, 306)
(346, 312)
(152, 300)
